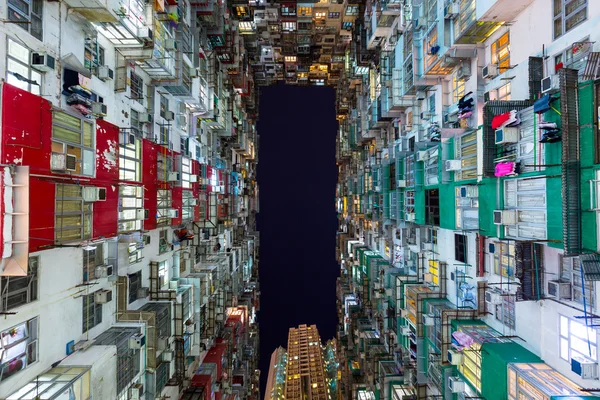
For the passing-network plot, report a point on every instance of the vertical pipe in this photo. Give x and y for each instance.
(587, 331)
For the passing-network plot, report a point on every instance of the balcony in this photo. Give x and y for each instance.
(470, 27)
(500, 10)
(129, 29)
(163, 64)
(97, 10)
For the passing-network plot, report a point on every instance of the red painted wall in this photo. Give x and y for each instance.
(149, 174)
(106, 213)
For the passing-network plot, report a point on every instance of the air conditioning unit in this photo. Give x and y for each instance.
(507, 135)
(169, 115)
(91, 194)
(453, 165)
(167, 356)
(427, 246)
(464, 71)
(145, 33)
(126, 138)
(58, 162)
(401, 183)
(103, 271)
(586, 369)
(170, 44)
(162, 343)
(193, 178)
(428, 277)
(145, 118)
(490, 71)
(99, 109)
(378, 188)
(193, 202)
(402, 313)
(143, 292)
(105, 73)
(136, 391)
(456, 384)
(186, 256)
(454, 357)
(550, 84)
(450, 118)
(42, 62)
(173, 213)
(421, 155)
(428, 320)
(405, 330)
(420, 23)
(493, 297)
(410, 217)
(468, 191)
(173, 177)
(141, 214)
(505, 217)
(193, 72)
(137, 341)
(103, 296)
(451, 11)
(191, 328)
(559, 290)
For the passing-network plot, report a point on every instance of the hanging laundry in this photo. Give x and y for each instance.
(543, 104)
(505, 168)
(547, 125)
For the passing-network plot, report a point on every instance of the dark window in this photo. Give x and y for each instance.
(135, 283)
(567, 15)
(137, 87)
(92, 259)
(164, 105)
(28, 15)
(411, 144)
(432, 207)
(92, 312)
(460, 248)
(20, 290)
(393, 176)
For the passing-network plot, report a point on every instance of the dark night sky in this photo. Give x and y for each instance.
(297, 220)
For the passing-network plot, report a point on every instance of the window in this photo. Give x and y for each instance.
(430, 42)
(163, 241)
(164, 134)
(567, 15)
(352, 10)
(187, 211)
(432, 207)
(504, 259)
(28, 15)
(18, 70)
(431, 166)
(460, 248)
(18, 348)
(577, 340)
(92, 312)
(135, 284)
(73, 217)
(304, 11)
(467, 204)
(528, 198)
(334, 15)
(501, 52)
(131, 199)
(134, 253)
(163, 275)
(288, 10)
(288, 26)
(409, 202)
(409, 171)
(130, 161)
(164, 106)
(466, 151)
(136, 126)
(241, 11)
(501, 93)
(347, 25)
(92, 259)
(505, 312)
(320, 15)
(570, 271)
(19, 290)
(458, 88)
(575, 56)
(93, 54)
(74, 136)
(164, 201)
(137, 87)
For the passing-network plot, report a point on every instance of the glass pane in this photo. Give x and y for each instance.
(564, 348)
(66, 134)
(88, 162)
(88, 134)
(564, 326)
(67, 120)
(17, 51)
(557, 27)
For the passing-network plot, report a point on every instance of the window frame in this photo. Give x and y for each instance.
(163, 273)
(164, 105)
(164, 202)
(89, 305)
(461, 248)
(85, 212)
(28, 17)
(91, 262)
(130, 161)
(573, 275)
(432, 211)
(132, 284)
(84, 150)
(32, 74)
(564, 324)
(187, 209)
(136, 87)
(127, 212)
(30, 339)
(31, 291)
(502, 44)
(458, 88)
(526, 199)
(563, 17)
(505, 262)
(163, 241)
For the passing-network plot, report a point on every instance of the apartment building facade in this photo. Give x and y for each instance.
(467, 189)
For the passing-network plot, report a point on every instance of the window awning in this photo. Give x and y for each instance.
(70, 61)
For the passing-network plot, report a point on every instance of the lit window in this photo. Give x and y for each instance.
(19, 290)
(458, 88)
(288, 26)
(18, 70)
(130, 200)
(567, 15)
(504, 259)
(92, 312)
(91, 259)
(577, 340)
(320, 15)
(305, 11)
(75, 137)
(27, 14)
(291, 59)
(501, 52)
(352, 10)
(19, 348)
(130, 161)
(163, 205)
(334, 15)
(73, 217)
(163, 275)
(501, 93)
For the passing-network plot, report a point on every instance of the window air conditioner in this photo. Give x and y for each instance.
(169, 115)
(91, 194)
(456, 384)
(464, 71)
(428, 320)
(427, 246)
(145, 33)
(410, 217)
(507, 135)
(454, 357)
(167, 356)
(173, 213)
(421, 155)
(103, 271)
(490, 71)
(505, 217)
(170, 44)
(193, 72)
(450, 118)
(428, 277)
(105, 73)
(137, 341)
(145, 118)
(451, 11)
(193, 178)
(402, 313)
(378, 188)
(401, 183)
(550, 84)
(173, 177)
(103, 296)
(58, 162)
(99, 109)
(141, 214)
(453, 165)
(559, 290)
(147, 239)
(193, 202)
(405, 330)
(493, 297)
(420, 23)
(143, 292)
(586, 369)
(42, 62)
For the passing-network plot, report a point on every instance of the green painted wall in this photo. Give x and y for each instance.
(487, 205)
(448, 206)
(419, 206)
